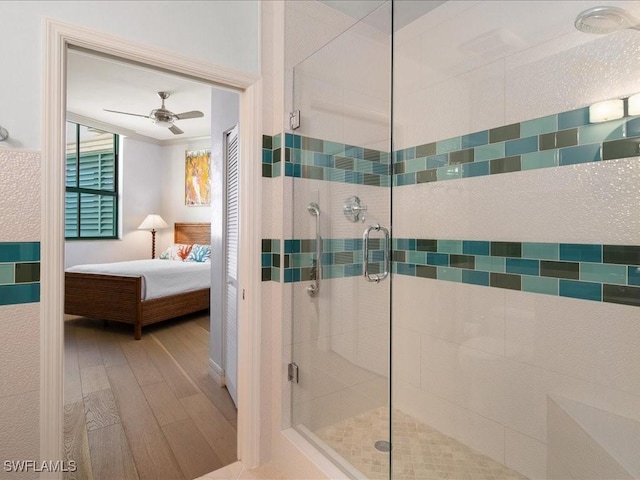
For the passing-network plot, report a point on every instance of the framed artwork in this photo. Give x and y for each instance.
(197, 184)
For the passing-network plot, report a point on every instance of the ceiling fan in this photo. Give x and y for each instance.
(163, 117)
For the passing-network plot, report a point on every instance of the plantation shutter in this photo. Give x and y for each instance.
(232, 228)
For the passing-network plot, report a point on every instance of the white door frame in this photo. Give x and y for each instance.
(57, 37)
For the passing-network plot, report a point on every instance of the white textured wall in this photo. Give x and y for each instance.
(19, 324)
(478, 363)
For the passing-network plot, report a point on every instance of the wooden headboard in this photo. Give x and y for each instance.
(194, 232)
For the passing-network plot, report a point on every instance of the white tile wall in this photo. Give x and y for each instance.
(587, 203)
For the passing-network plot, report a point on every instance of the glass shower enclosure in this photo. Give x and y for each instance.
(465, 252)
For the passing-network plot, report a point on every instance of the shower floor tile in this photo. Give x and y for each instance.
(419, 451)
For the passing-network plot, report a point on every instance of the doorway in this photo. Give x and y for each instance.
(59, 37)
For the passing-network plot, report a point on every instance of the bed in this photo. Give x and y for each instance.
(119, 298)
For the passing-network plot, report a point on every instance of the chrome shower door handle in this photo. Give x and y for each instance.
(378, 277)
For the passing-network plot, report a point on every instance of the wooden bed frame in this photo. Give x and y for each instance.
(118, 297)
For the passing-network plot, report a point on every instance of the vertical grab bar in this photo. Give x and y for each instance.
(314, 288)
(365, 254)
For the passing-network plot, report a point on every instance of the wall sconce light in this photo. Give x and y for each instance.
(606, 110)
(153, 222)
(633, 105)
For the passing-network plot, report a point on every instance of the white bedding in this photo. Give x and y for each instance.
(160, 278)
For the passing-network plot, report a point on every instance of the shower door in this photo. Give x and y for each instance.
(338, 256)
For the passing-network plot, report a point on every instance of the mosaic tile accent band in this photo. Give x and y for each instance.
(553, 141)
(307, 157)
(271, 156)
(270, 259)
(341, 258)
(19, 272)
(603, 273)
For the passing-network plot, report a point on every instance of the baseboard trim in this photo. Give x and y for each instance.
(217, 373)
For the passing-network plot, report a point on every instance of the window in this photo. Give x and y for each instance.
(91, 198)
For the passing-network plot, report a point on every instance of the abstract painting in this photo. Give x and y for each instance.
(197, 184)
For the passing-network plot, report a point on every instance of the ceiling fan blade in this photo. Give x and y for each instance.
(191, 114)
(175, 130)
(127, 113)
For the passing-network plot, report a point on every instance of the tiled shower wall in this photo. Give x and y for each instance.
(516, 232)
(19, 304)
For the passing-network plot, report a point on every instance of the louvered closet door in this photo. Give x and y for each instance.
(231, 243)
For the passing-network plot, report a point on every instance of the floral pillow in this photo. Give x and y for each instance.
(200, 253)
(177, 251)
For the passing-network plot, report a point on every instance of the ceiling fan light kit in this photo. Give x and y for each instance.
(163, 117)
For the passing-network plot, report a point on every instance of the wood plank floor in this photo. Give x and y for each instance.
(144, 409)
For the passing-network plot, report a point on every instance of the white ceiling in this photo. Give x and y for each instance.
(95, 83)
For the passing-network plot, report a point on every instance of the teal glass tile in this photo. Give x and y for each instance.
(355, 177)
(385, 180)
(523, 266)
(521, 146)
(19, 252)
(633, 275)
(365, 166)
(541, 251)
(449, 246)
(275, 274)
(275, 245)
(489, 152)
(334, 174)
(405, 243)
(266, 260)
(475, 139)
(332, 148)
(267, 156)
(306, 157)
(581, 290)
(633, 127)
(6, 273)
(437, 161)
(545, 159)
(548, 286)
(288, 140)
(581, 154)
(276, 169)
(441, 259)
(333, 271)
(580, 252)
(599, 132)
(573, 118)
(475, 247)
(299, 260)
(597, 272)
(419, 258)
(476, 169)
(449, 172)
(353, 151)
(449, 145)
(406, 269)
(539, 125)
(323, 160)
(415, 165)
(276, 141)
(405, 179)
(476, 278)
(450, 274)
(490, 264)
(296, 155)
(17, 294)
